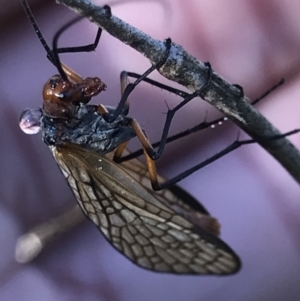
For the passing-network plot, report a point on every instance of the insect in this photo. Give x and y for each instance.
(166, 231)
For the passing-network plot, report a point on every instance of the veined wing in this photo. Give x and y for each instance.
(175, 197)
(136, 223)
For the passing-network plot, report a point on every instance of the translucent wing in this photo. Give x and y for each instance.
(148, 232)
(175, 197)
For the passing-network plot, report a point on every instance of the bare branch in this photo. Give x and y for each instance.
(186, 70)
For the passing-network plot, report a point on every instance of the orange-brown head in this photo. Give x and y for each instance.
(61, 97)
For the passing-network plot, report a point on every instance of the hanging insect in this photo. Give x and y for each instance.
(166, 231)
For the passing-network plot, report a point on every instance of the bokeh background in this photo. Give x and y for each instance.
(249, 42)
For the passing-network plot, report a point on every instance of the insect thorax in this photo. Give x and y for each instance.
(87, 129)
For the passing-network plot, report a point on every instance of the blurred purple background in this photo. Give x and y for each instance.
(249, 42)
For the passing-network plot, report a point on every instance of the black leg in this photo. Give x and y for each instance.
(52, 55)
(281, 82)
(184, 94)
(152, 82)
(131, 86)
(219, 155)
(199, 127)
(154, 155)
(240, 88)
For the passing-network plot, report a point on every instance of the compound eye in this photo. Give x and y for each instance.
(64, 95)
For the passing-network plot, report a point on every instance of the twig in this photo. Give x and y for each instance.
(186, 70)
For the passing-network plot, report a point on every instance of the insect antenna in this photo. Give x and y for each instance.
(53, 55)
(36, 28)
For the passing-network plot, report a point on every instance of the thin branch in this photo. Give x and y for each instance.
(186, 70)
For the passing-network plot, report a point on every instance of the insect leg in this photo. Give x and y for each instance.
(131, 86)
(124, 84)
(141, 135)
(152, 82)
(236, 144)
(102, 110)
(154, 155)
(53, 54)
(184, 94)
(199, 127)
(85, 48)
